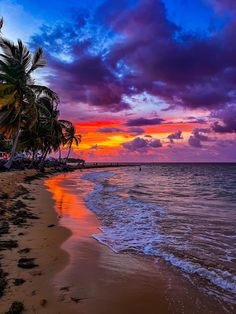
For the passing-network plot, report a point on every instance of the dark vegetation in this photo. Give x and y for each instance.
(29, 113)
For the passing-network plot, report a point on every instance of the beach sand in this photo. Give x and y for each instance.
(76, 274)
(36, 293)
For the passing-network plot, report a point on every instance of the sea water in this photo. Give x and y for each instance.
(184, 214)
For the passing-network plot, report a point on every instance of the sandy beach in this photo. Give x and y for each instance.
(74, 272)
(34, 240)
(117, 157)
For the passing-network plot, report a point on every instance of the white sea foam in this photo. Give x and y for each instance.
(133, 225)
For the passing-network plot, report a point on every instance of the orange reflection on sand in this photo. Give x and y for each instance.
(67, 192)
(67, 201)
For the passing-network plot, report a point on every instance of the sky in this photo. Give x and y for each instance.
(142, 80)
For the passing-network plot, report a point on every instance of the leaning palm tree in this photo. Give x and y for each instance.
(18, 93)
(71, 137)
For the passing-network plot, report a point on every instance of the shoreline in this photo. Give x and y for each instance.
(105, 282)
(75, 272)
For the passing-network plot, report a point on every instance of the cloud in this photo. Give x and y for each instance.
(136, 131)
(95, 147)
(144, 121)
(227, 123)
(198, 136)
(138, 144)
(103, 58)
(175, 136)
(194, 141)
(155, 143)
(142, 145)
(127, 48)
(110, 130)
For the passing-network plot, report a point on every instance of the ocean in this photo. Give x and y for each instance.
(184, 214)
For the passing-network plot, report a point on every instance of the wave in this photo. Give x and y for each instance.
(132, 225)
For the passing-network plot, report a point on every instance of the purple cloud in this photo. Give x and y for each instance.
(228, 118)
(155, 143)
(144, 121)
(136, 131)
(194, 141)
(102, 66)
(142, 145)
(175, 136)
(110, 130)
(138, 145)
(198, 136)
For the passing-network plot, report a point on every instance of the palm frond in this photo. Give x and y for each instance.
(24, 56)
(38, 60)
(8, 47)
(65, 123)
(43, 90)
(8, 100)
(6, 89)
(1, 23)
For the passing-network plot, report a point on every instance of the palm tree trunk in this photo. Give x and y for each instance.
(68, 153)
(33, 159)
(8, 164)
(59, 155)
(41, 164)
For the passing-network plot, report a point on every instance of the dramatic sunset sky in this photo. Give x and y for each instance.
(143, 80)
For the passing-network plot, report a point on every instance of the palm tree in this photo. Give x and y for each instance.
(48, 134)
(71, 137)
(54, 128)
(18, 93)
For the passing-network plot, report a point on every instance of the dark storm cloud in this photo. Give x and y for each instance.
(131, 47)
(88, 80)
